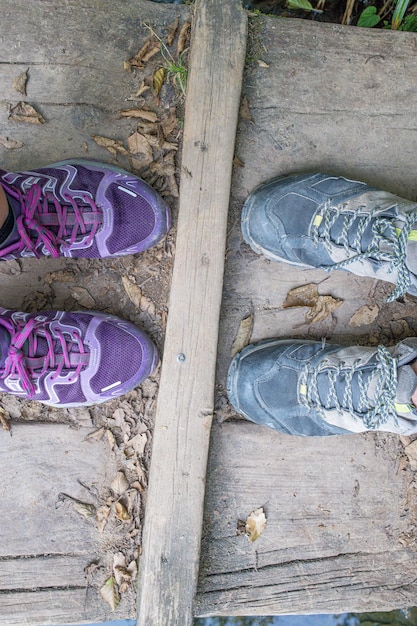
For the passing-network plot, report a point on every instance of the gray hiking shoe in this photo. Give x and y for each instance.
(313, 389)
(330, 222)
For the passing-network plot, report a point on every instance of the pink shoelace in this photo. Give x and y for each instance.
(41, 210)
(30, 366)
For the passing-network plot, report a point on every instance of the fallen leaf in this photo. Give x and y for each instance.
(4, 419)
(244, 110)
(324, 307)
(62, 276)
(139, 145)
(306, 295)
(146, 304)
(96, 435)
(84, 508)
(119, 484)
(19, 83)
(172, 31)
(142, 89)
(138, 443)
(110, 593)
(133, 291)
(83, 297)
(151, 116)
(183, 37)
(255, 524)
(24, 112)
(123, 573)
(112, 145)
(111, 439)
(243, 334)
(364, 316)
(168, 123)
(411, 452)
(136, 61)
(262, 63)
(10, 144)
(158, 80)
(154, 49)
(122, 513)
(102, 515)
(238, 162)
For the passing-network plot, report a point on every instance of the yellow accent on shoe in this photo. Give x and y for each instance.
(303, 389)
(411, 237)
(403, 408)
(317, 220)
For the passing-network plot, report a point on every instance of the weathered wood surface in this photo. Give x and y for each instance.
(74, 53)
(45, 545)
(171, 545)
(340, 100)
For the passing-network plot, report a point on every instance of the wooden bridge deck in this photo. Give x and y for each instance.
(341, 513)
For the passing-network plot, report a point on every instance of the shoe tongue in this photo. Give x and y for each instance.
(4, 345)
(406, 384)
(16, 209)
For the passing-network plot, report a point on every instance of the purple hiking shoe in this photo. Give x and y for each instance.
(71, 359)
(81, 208)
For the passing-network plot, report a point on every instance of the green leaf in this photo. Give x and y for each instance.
(409, 24)
(399, 12)
(305, 5)
(368, 18)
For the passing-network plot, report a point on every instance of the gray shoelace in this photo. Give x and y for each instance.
(383, 232)
(372, 415)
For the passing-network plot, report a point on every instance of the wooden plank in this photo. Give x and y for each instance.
(169, 564)
(74, 59)
(336, 511)
(340, 100)
(45, 545)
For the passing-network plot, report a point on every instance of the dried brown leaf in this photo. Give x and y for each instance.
(122, 513)
(4, 419)
(142, 89)
(83, 297)
(123, 573)
(172, 31)
(102, 515)
(364, 316)
(238, 162)
(110, 593)
(173, 187)
(24, 112)
(133, 291)
(119, 484)
(255, 524)
(112, 145)
(183, 37)
(140, 146)
(96, 435)
(243, 334)
(154, 49)
(262, 63)
(306, 295)
(136, 61)
(19, 83)
(111, 439)
(84, 508)
(168, 123)
(10, 144)
(324, 307)
(148, 305)
(151, 116)
(138, 443)
(244, 110)
(158, 80)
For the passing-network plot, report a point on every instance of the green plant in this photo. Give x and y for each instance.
(175, 69)
(399, 20)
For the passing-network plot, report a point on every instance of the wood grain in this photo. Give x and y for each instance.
(171, 545)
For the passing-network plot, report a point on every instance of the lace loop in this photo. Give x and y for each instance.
(28, 367)
(384, 235)
(374, 412)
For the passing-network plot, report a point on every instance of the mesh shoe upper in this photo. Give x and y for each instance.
(310, 388)
(82, 209)
(71, 359)
(334, 223)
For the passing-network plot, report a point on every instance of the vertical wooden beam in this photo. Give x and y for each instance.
(174, 511)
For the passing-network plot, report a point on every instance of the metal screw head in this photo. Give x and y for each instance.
(181, 357)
